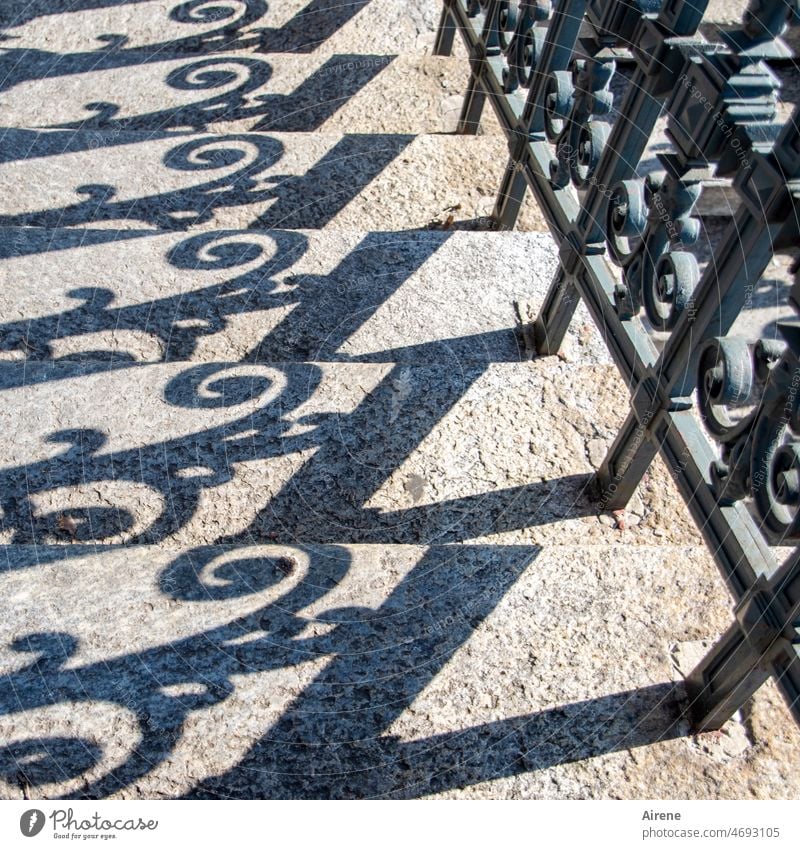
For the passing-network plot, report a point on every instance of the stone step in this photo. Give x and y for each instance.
(318, 452)
(358, 671)
(247, 92)
(83, 34)
(141, 296)
(175, 181)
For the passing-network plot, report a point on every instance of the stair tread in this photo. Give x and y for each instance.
(79, 31)
(368, 671)
(175, 181)
(319, 452)
(275, 295)
(245, 92)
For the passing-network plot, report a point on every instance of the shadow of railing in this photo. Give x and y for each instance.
(231, 28)
(15, 13)
(333, 739)
(351, 455)
(240, 79)
(334, 766)
(309, 200)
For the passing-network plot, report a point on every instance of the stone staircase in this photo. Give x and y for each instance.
(288, 508)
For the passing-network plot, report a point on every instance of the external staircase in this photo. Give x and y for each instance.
(289, 507)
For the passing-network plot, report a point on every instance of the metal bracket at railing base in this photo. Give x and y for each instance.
(744, 657)
(763, 619)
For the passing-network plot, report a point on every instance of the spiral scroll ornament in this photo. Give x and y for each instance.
(749, 397)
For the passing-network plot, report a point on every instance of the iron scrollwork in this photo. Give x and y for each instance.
(749, 397)
(649, 223)
(521, 41)
(572, 101)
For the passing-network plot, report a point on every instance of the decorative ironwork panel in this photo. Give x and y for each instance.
(583, 90)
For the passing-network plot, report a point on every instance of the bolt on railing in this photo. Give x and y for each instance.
(626, 235)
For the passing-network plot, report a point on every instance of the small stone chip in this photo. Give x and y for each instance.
(415, 486)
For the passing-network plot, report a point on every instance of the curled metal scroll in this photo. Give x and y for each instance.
(749, 397)
(520, 40)
(649, 223)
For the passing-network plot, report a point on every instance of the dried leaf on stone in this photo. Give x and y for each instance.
(287, 565)
(67, 524)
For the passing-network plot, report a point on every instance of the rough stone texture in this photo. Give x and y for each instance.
(80, 34)
(317, 453)
(257, 180)
(276, 295)
(364, 671)
(308, 522)
(244, 91)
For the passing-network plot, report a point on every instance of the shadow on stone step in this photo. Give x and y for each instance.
(235, 27)
(292, 763)
(262, 410)
(146, 453)
(81, 485)
(331, 738)
(246, 183)
(255, 308)
(238, 90)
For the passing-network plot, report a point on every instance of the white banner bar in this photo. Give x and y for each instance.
(413, 824)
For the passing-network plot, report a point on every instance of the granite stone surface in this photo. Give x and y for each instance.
(291, 671)
(288, 506)
(258, 180)
(404, 296)
(177, 453)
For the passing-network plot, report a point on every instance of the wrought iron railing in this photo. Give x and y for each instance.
(627, 242)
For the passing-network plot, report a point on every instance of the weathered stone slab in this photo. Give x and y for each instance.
(246, 92)
(217, 452)
(254, 180)
(278, 295)
(75, 33)
(362, 671)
